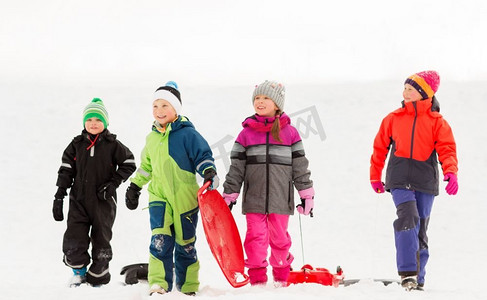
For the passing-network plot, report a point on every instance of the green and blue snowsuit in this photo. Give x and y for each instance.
(170, 160)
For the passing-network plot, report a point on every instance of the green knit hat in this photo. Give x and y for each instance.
(96, 109)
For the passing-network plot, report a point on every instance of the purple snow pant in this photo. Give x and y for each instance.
(413, 211)
(264, 231)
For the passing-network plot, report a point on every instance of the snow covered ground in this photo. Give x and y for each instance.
(352, 226)
(343, 63)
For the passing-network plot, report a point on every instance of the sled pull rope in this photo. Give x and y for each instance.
(301, 235)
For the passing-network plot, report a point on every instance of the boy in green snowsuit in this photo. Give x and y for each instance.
(173, 154)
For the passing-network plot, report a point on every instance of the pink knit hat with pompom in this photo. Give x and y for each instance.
(426, 82)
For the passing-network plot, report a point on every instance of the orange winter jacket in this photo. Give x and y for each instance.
(417, 136)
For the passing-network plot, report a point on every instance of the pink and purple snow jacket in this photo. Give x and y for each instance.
(267, 168)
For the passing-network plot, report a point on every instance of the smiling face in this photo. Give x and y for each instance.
(264, 106)
(410, 93)
(94, 125)
(163, 111)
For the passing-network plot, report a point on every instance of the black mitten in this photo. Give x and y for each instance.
(107, 191)
(57, 205)
(132, 196)
(210, 175)
(57, 209)
(60, 193)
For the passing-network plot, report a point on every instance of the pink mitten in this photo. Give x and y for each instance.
(452, 186)
(306, 207)
(230, 199)
(378, 186)
(307, 201)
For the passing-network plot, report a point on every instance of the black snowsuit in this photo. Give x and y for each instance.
(87, 165)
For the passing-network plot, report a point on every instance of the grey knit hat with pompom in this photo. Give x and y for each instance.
(273, 90)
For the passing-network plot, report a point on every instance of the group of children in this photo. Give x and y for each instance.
(267, 158)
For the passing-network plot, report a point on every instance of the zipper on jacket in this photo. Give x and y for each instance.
(408, 186)
(91, 147)
(267, 173)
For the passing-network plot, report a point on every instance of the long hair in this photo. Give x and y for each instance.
(276, 127)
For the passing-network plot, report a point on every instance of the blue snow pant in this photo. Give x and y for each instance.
(185, 257)
(413, 211)
(173, 247)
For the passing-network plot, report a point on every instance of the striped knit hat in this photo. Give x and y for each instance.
(426, 83)
(170, 93)
(96, 109)
(273, 90)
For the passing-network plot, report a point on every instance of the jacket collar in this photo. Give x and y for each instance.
(260, 123)
(421, 106)
(180, 122)
(104, 135)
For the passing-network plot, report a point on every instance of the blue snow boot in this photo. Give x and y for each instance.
(79, 277)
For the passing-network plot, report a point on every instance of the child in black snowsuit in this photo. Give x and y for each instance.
(93, 165)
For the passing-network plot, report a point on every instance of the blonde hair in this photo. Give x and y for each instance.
(276, 127)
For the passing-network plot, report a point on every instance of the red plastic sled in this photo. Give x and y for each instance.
(222, 235)
(318, 275)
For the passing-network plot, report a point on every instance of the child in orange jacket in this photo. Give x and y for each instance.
(417, 136)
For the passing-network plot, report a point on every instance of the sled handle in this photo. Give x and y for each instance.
(237, 284)
(203, 188)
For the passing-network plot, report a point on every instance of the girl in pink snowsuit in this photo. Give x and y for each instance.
(268, 158)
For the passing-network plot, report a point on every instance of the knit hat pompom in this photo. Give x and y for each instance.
(170, 93)
(273, 90)
(172, 84)
(425, 82)
(96, 109)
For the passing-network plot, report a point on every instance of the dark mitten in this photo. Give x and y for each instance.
(57, 209)
(210, 175)
(57, 205)
(61, 193)
(132, 196)
(107, 191)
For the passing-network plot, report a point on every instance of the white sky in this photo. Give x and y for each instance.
(239, 42)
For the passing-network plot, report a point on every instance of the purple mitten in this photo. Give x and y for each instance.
(452, 186)
(230, 199)
(377, 186)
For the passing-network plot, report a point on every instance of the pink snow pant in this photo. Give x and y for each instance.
(264, 231)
